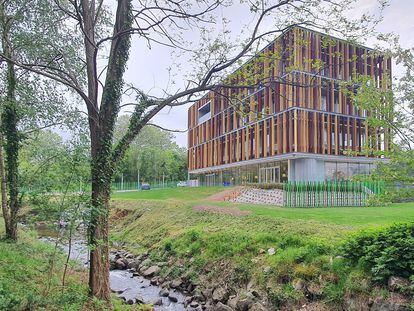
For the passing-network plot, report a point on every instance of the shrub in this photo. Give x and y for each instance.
(9, 300)
(266, 186)
(402, 195)
(379, 200)
(385, 252)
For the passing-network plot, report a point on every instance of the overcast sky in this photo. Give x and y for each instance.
(148, 68)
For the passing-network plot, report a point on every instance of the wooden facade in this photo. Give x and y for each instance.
(288, 99)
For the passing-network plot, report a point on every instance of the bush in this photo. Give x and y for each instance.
(385, 252)
(266, 186)
(402, 195)
(379, 200)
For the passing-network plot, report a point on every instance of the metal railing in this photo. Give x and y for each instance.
(134, 185)
(329, 194)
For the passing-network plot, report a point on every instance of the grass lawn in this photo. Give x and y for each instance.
(182, 193)
(345, 216)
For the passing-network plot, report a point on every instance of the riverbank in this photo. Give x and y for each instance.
(31, 274)
(253, 257)
(185, 245)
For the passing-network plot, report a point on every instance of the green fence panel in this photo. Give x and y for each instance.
(329, 193)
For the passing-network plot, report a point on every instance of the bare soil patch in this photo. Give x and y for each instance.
(119, 214)
(234, 211)
(225, 195)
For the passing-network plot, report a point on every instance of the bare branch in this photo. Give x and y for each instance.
(165, 129)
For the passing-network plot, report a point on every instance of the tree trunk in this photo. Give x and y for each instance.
(98, 241)
(101, 172)
(10, 132)
(4, 205)
(101, 128)
(9, 120)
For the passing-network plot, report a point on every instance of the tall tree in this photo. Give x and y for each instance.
(151, 148)
(161, 22)
(28, 103)
(389, 103)
(9, 136)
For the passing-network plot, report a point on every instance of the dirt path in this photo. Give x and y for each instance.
(234, 211)
(225, 195)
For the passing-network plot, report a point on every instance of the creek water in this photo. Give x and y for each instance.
(124, 283)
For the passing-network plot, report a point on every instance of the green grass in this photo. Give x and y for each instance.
(184, 194)
(346, 216)
(25, 275)
(305, 240)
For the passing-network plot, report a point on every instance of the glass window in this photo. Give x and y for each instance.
(283, 171)
(323, 99)
(204, 113)
(341, 171)
(353, 169)
(330, 171)
(364, 168)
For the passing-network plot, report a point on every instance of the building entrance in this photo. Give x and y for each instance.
(210, 180)
(269, 175)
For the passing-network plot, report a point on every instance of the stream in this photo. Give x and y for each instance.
(130, 288)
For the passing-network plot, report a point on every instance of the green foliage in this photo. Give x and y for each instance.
(267, 185)
(384, 252)
(153, 154)
(399, 171)
(383, 199)
(47, 163)
(23, 278)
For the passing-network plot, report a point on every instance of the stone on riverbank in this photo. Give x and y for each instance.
(151, 271)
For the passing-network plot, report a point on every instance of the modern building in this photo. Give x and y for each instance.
(287, 115)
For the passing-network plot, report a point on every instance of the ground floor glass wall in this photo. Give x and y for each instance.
(271, 172)
(277, 171)
(345, 171)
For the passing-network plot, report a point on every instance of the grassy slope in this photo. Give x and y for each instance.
(347, 216)
(24, 270)
(304, 239)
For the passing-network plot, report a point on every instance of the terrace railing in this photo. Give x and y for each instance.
(133, 185)
(329, 194)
